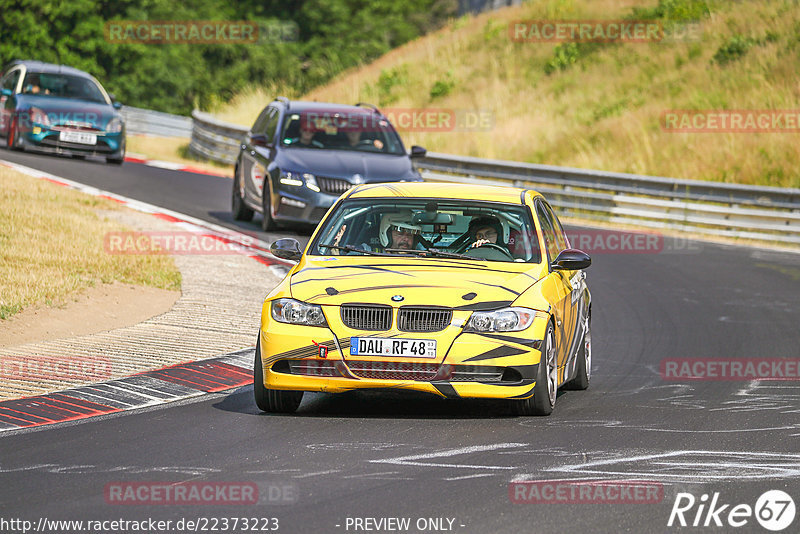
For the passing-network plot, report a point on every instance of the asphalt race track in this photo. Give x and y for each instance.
(447, 465)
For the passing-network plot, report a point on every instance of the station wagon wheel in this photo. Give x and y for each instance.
(272, 400)
(238, 208)
(546, 388)
(267, 222)
(584, 365)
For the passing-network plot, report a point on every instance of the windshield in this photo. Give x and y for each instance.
(62, 85)
(360, 131)
(465, 229)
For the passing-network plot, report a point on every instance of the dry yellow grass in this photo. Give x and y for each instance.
(51, 245)
(604, 111)
(172, 149)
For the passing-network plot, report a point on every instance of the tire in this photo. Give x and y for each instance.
(238, 208)
(11, 135)
(546, 388)
(115, 161)
(267, 222)
(583, 373)
(272, 400)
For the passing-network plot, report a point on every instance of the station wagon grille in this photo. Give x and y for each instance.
(333, 186)
(423, 319)
(313, 368)
(382, 370)
(366, 317)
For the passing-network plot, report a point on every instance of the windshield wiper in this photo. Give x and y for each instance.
(434, 253)
(351, 248)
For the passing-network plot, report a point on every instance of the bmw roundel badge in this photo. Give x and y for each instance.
(397, 298)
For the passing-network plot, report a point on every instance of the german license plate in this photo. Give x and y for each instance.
(82, 138)
(394, 347)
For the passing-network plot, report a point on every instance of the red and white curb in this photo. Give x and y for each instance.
(151, 388)
(238, 242)
(171, 166)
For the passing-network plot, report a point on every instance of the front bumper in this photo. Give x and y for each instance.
(468, 365)
(42, 139)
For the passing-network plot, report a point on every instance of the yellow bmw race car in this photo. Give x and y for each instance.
(463, 291)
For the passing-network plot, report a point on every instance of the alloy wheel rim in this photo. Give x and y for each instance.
(552, 370)
(587, 349)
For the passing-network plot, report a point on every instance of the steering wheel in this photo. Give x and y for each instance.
(489, 251)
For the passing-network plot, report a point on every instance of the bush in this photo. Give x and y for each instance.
(736, 47)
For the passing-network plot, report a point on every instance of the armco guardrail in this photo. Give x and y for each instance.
(215, 139)
(149, 122)
(712, 208)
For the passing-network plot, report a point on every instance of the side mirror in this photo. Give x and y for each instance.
(418, 151)
(287, 248)
(260, 140)
(6, 92)
(571, 259)
(117, 105)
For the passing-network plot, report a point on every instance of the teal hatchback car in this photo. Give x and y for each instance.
(61, 110)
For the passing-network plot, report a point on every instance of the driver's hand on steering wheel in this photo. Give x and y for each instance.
(478, 243)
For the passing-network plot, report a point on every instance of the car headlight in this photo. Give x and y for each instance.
(39, 117)
(299, 179)
(114, 125)
(295, 312)
(505, 320)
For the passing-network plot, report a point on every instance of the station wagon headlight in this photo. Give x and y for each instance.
(295, 312)
(114, 125)
(505, 320)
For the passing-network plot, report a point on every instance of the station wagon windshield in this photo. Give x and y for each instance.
(360, 131)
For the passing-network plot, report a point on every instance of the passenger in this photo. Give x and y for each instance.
(396, 232)
(306, 138)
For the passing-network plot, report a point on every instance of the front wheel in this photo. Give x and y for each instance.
(546, 388)
(267, 222)
(11, 136)
(272, 400)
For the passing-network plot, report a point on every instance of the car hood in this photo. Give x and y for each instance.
(70, 110)
(345, 164)
(460, 284)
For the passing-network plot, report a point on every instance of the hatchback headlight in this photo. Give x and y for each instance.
(505, 320)
(39, 117)
(295, 312)
(114, 125)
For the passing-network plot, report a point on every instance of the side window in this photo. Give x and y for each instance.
(561, 236)
(272, 125)
(261, 121)
(548, 231)
(10, 80)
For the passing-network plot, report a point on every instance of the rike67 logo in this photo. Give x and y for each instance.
(774, 510)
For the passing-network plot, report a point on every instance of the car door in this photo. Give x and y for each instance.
(558, 288)
(574, 305)
(9, 81)
(255, 159)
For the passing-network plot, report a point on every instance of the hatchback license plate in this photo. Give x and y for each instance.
(394, 347)
(78, 137)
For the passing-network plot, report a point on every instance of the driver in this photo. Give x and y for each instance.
(485, 229)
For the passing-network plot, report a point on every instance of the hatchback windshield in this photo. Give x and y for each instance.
(62, 85)
(456, 229)
(363, 131)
